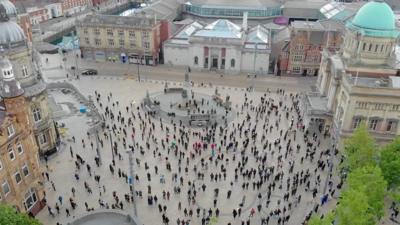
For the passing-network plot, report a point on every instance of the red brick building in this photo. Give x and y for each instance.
(302, 55)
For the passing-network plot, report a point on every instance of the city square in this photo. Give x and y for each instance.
(256, 112)
(156, 146)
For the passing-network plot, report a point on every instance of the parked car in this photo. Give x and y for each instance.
(89, 72)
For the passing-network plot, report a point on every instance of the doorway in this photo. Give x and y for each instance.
(214, 63)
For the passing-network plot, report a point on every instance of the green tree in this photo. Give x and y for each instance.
(353, 209)
(9, 216)
(390, 163)
(327, 220)
(360, 149)
(370, 181)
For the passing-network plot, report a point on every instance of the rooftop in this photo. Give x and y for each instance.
(220, 29)
(234, 3)
(113, 20)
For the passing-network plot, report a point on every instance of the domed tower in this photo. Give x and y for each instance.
(18, 148)
(371, 35)
(20, 54)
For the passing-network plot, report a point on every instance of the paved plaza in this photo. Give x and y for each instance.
(262, 166)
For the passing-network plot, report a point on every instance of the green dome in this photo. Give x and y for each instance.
(375, 15)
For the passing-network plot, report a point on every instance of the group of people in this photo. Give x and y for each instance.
(265, 167)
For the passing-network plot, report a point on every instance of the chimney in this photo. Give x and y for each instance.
(244, 24)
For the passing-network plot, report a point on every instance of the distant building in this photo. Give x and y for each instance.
(21, 177)
(70, 7)
(119, 38)
(221, 46)
(38, 14)
(360, 83)
(54, 10)
(307, 39)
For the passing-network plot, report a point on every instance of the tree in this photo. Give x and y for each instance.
(9, 216)
(353, 209)
(360, 149)
(370, 181)
(326, 220)
(390, 163)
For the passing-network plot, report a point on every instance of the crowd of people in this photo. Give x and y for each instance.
(265, 167)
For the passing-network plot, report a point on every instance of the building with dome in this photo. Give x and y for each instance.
(21, 184)
(361, 82)
(21, 55)
(220, 46)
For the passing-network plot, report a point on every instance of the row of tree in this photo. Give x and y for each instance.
(373, 176)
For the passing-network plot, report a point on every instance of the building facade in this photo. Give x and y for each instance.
(38, 14)
(221, 46)
(20, 172)
(307, 39)
(361, 83)
(129, 39)
(19, 51)
(70, 7)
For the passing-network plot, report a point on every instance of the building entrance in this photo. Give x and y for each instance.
(214, 64)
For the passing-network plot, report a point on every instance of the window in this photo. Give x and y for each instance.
(110, 32)
(96, 31)
(25, 170)
(146, 45)
(232, 62)
(145, 34)
(30, 199)
(370, 47)
(10, 130)
(296, 69)
(362, 105)
(379, 106)
(376, 48)
(395, 107)
(206, 62)
(18, 177)
(297, 58)
(11, 153)
(121, 32)
(37, 116)
(97, 42)
(24, 71)
(5, 187)
(87, 41)
(223, 63)
(111, 42)
(132, 33)
(196, 60)
(42, 138)
(121, 43)
(1, 166)
(20, 149)
(391, 126)
(356, 122)
(364, 46)
(373, 124)
(85, 31)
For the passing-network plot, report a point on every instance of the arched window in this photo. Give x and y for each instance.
(232, 62)
(37, 116)
(196, 60)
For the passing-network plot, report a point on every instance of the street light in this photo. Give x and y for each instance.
(112, 146)
(130, 180)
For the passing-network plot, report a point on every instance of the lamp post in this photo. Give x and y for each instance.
(131, 185)
(139, 60)
(111, 143)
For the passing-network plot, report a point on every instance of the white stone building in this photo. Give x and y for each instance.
(360, 83)
(221, 46)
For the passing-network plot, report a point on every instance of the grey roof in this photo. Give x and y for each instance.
(123, 21)
(10, 32)
(9, 6)
(258, 34)
(188, 30)
(235, 3)
(220, 29)
(304, 4)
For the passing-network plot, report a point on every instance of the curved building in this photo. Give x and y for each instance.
(19, 51)
(257, 9)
